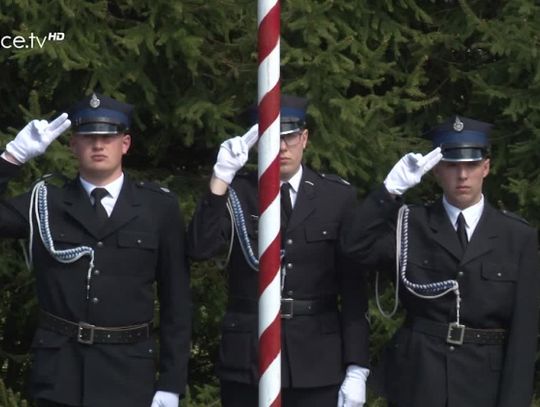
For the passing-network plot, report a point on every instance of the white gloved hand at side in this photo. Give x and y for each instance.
(353, 389)
(36, 136)
(165, 399)
(233, 154)
(409, 171)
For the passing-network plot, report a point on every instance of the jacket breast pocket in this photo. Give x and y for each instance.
(425, 269)
(67, 239)
(137, 240)
(504, 273)
(320, 233)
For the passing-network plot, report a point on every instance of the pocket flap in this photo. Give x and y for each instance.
(69, 236)
(316, 233)
(144, 349)
(239, 322)
(44, 339)
(499, 272)
(137, 239)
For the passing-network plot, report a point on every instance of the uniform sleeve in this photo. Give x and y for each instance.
(369, 237)
(175, 307)
(210, 226)
(354, 301)
(14, 211)
(518, 372)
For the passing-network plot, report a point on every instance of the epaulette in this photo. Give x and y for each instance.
(334, 178)
(247, 174)
(152, 186)
(50, 177)
(512, 215)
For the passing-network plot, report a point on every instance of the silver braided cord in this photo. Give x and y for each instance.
(426, 291)
(222, 264)
(239, 221)
(39, 208)
(240, 226)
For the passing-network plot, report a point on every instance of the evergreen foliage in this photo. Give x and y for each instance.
(377, 73)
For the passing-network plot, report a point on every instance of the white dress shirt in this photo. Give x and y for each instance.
(471, 214)
(294, 182)
(113, 189)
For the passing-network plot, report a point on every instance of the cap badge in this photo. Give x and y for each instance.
(95, 102)
(458, 124)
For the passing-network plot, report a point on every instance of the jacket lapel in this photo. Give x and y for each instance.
(305, 200)
(78, 206)
(443, 231)
(484, 236)
(125, 209)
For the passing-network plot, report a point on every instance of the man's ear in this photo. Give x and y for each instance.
(126, 143)
(305, 136)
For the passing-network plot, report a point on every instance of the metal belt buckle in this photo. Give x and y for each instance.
(456, 333)
(286, 310)
(86, 333)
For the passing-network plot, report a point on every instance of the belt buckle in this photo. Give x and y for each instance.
(85, 334)
(456, 333)
(288, 313)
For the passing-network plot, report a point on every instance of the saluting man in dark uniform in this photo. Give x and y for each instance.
(469, 280)
(324, 329)
(98, 244)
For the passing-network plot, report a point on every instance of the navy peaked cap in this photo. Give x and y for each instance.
(461, 139)
(292, 113)
(100, 114)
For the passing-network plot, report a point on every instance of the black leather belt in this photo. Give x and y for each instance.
(89, 334)
(457, 334)
(290, 307)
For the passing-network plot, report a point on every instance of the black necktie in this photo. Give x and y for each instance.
(286, 206)
(101, 214)
(461, 232)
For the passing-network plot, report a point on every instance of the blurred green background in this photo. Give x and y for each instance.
(377, 74)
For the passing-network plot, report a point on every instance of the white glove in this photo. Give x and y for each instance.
(233, 154)
(353, 389)
(409, 170)
(36, 136)
(165, 399)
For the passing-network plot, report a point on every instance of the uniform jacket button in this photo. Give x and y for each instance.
(97, 272)
(100, 244)
(290, 293)
(289, 242)
(95, 300)
(289, 266)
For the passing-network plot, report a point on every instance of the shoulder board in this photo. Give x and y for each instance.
(334, 178)
(512, 215)
(51, 178)
(246, 174)
(152, 186)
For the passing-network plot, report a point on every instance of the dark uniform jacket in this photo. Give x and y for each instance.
(315, 348)
(142, 242)
(499, 283)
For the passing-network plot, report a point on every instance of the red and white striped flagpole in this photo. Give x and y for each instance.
(269, 205)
